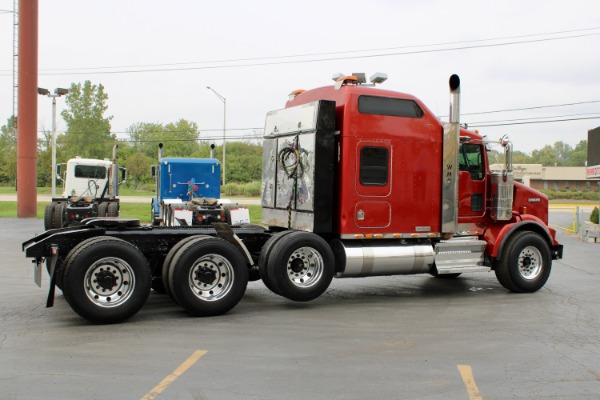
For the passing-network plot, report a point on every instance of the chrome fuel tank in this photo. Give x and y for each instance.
(356, 258)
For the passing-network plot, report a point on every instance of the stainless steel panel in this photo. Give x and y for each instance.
(269, 169)
(306, 175)
(450, 178)
(285, 185)
(292, 120)
(296, 219)
(466, 253)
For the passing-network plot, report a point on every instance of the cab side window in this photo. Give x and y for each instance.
(470, 159)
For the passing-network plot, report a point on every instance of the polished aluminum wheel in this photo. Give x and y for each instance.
(305, 267)
(109, 282)
(530, 262)
(211, 277)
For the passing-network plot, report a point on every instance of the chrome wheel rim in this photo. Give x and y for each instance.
(305, 267)
(109, 282)
(530, 263)
(211, 277)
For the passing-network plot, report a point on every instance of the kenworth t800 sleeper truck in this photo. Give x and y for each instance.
(357, 181)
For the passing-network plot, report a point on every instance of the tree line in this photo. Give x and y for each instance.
(89, 135)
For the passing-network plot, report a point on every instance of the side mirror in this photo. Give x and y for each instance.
(124, 174)
(58, 172)
(153, 171)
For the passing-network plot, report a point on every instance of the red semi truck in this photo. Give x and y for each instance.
(357, 181)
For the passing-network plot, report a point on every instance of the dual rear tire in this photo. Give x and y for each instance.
(297, 265)
(108, 280)
(205, 275)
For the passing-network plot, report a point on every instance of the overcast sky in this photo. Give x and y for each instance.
(156, 58)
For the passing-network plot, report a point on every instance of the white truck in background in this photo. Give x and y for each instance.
(91, 189)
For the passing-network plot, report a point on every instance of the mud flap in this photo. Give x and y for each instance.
(225, 232)
(53, 260)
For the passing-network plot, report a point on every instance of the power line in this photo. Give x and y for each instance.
(324, 53)
(534, 118)
(532, 108)
(193, 68)
(483, 125)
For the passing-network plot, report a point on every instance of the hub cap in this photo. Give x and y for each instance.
(305, 267)
(530, 263)
(109, 282)
(211, 277)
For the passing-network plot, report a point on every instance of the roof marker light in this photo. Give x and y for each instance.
(295, 93)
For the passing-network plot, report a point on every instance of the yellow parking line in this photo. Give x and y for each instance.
(158, 389)
(467, 376)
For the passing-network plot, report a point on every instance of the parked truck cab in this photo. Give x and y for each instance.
(91, 189)
(357, 181)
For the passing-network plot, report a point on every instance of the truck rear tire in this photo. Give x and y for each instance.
(106, 280)
(49, 216)
(113, 210)
(58, 216)
(265, 254)
(208, 276)
(102, 210)
(525, 264)
(301, 266)
(166, 267)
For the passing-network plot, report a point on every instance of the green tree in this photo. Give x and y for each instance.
(88, 133)
(180, 138)
(8, 152)
(547, 155)
(243, 162)
(578, 156)
(44, 159)
(138, 166)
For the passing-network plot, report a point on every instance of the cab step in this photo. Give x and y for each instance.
(460, 255)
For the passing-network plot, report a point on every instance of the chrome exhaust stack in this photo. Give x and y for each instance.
(454, 99)
(449, 211)
(160, 151)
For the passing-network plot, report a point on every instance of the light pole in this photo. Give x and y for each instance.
(224, 100)
(57, 93)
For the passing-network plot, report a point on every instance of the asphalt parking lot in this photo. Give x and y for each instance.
(404, 337)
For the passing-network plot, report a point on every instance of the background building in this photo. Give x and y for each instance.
(537, 176)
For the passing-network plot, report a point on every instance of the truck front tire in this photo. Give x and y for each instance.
(106, 280)
(208, 276)
(301, 266)
(525, 264)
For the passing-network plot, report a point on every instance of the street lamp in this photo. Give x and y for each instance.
(224, 100)
(57, 93)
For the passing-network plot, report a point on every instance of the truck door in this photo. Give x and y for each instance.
(471, 190)
(373, 184)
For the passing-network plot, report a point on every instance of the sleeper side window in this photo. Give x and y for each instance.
(374, 163)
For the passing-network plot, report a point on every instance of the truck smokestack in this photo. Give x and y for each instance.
(454, 99)
(160, 151)
(212, 151)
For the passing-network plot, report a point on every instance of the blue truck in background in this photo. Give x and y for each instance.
(188, 192)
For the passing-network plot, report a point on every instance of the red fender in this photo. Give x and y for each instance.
(497, 233)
